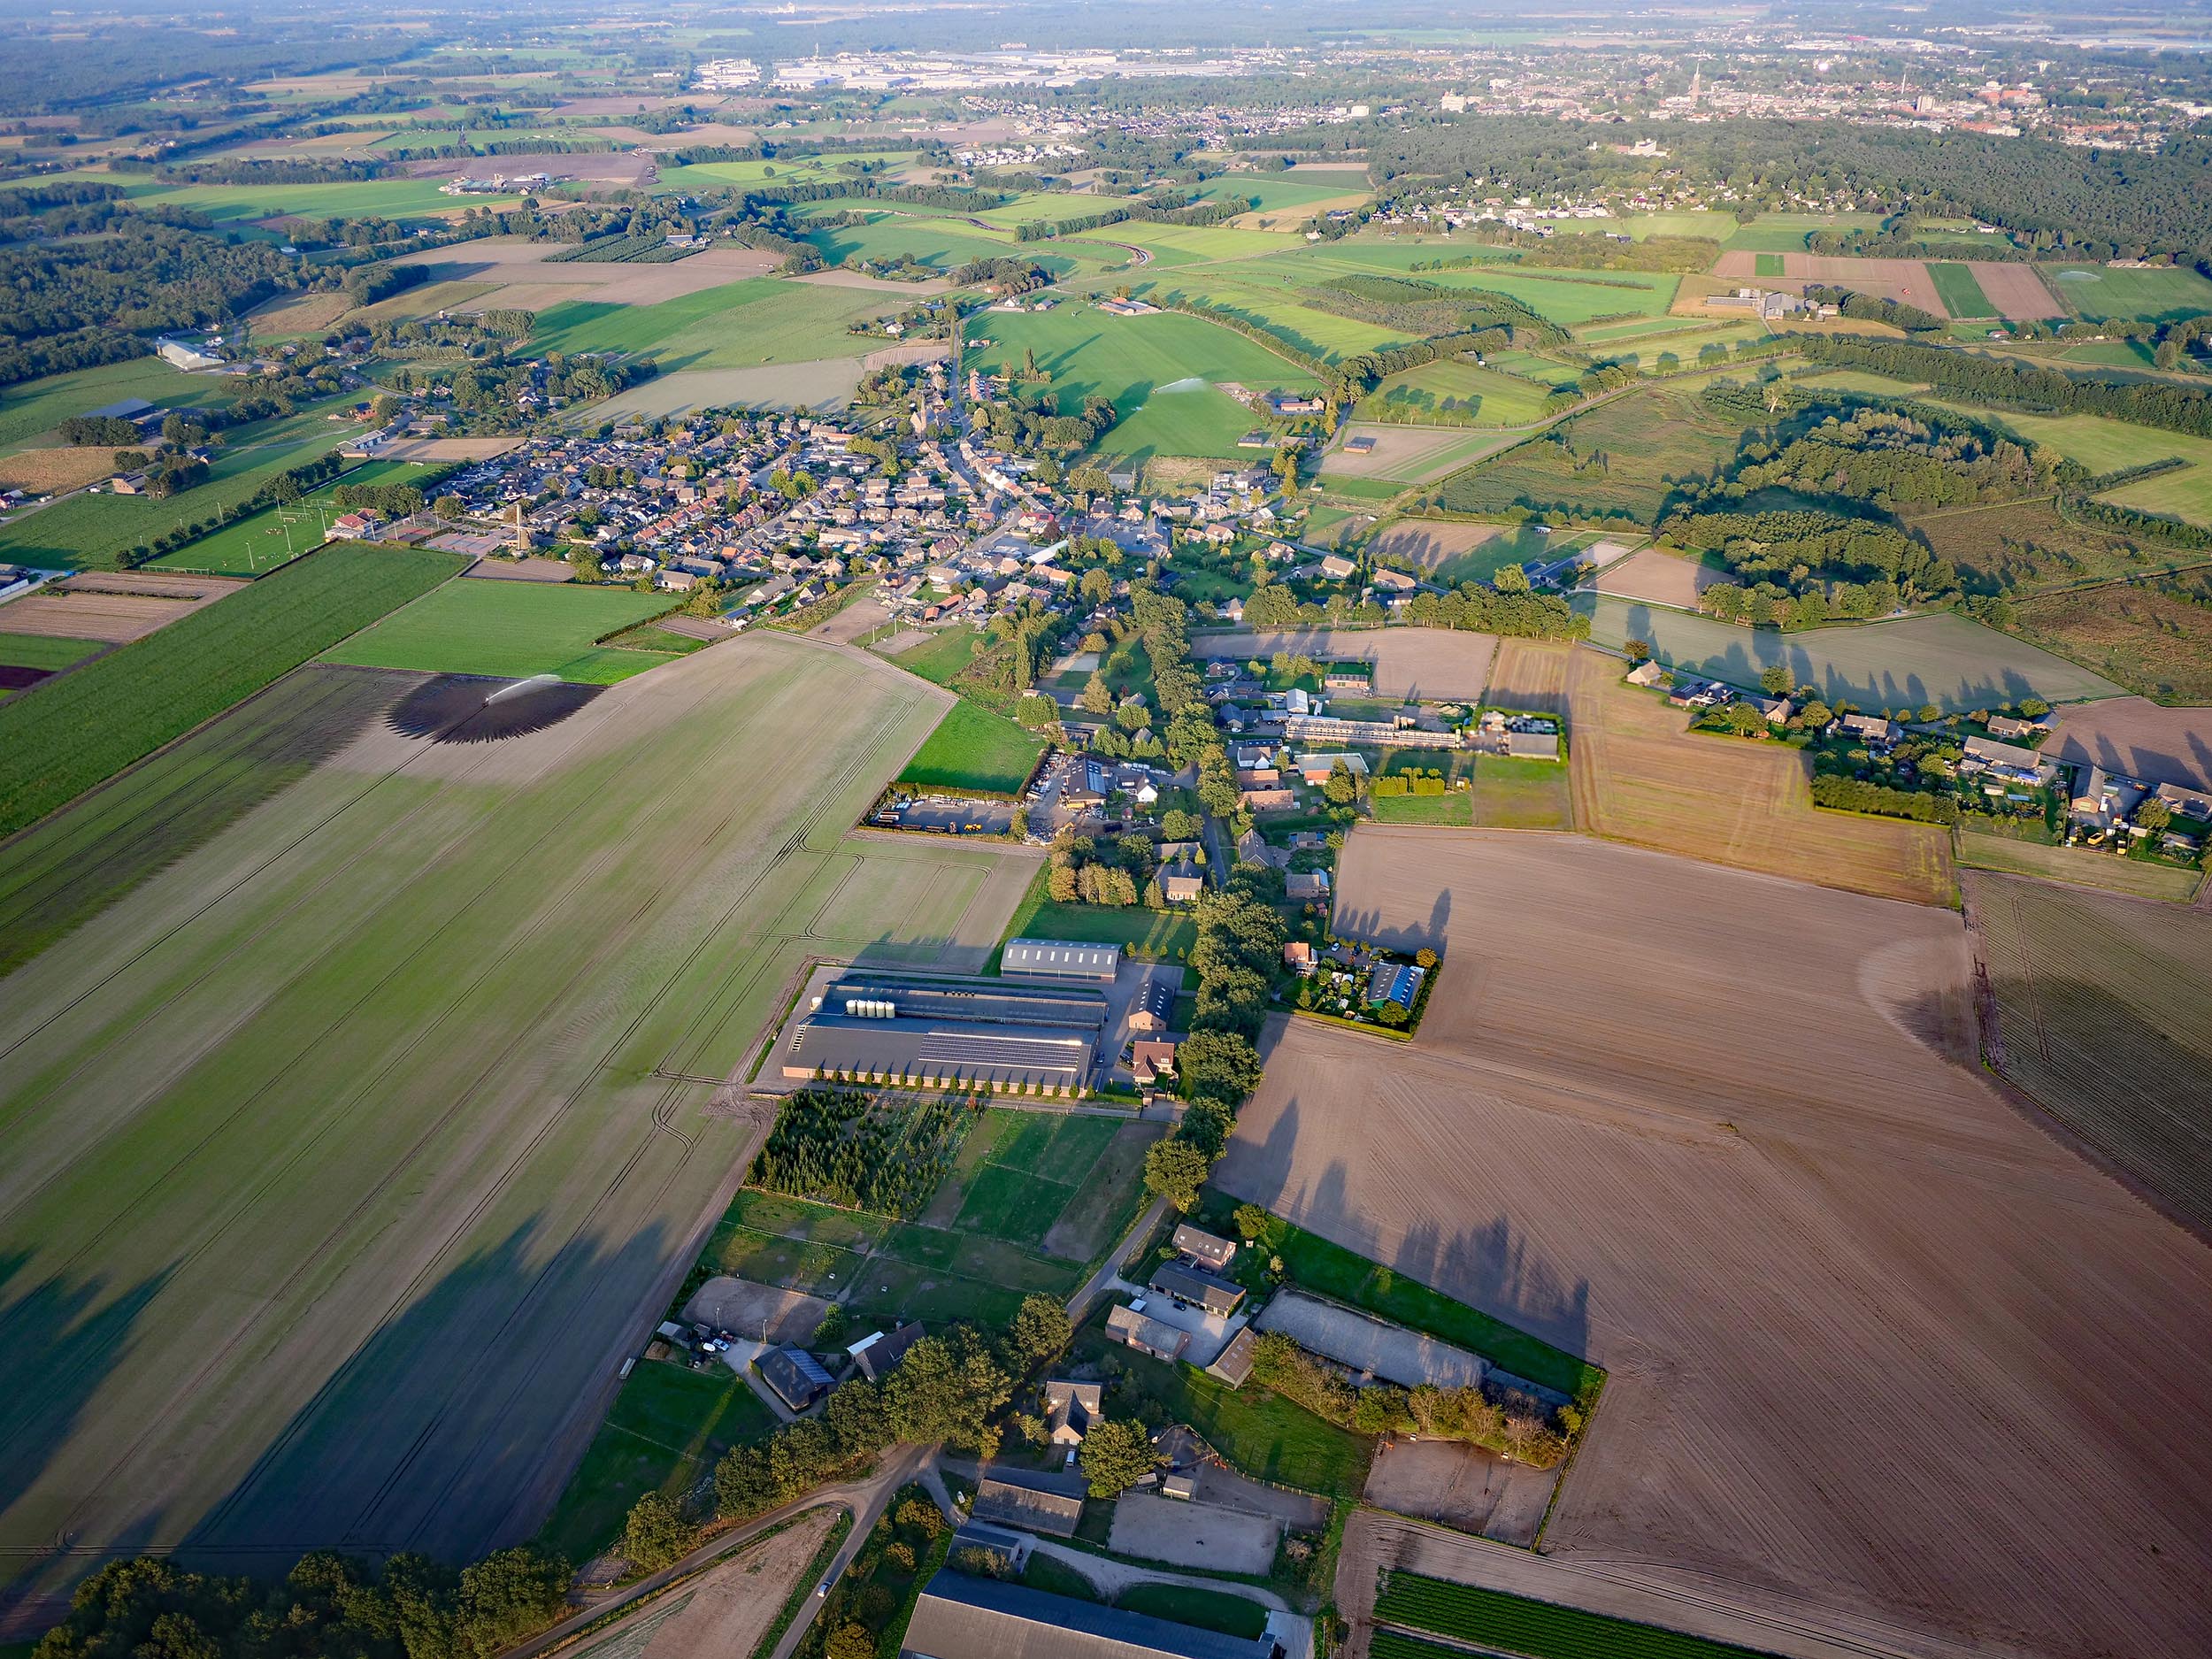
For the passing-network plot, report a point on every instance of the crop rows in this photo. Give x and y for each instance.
(1538, 1629)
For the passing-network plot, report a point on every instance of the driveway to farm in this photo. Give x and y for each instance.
(1110, 1270)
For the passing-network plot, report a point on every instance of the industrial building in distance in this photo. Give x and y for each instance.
(941, 1029)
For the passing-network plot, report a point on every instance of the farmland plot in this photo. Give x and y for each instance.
(1800, 1245)
(1429, 662)
(347, 1158)
(2101, 1005)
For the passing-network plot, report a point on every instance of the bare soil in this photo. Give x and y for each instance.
(1878, 1344)
(1463, 1486)
(1661, 579)
(1189, 1534)
(723, 1612)
(523, 277)
(110, 608)
(1427, 543)
(1531, 675)
(762, 1313)
(2137, 738)
(1427, 662)
(2017, 291)
(1903, 280)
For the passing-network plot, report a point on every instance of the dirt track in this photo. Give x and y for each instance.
(1882, 1352)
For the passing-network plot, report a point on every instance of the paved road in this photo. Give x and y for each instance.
(1110, 1270)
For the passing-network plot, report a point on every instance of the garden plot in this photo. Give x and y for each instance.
(1794, 1251)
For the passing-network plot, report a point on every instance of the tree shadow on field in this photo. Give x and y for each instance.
(59, 1341)
(453, 1427)
(1491, 1265)
(1369, 926)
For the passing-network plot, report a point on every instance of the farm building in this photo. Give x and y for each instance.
(1154, 1004)
(1398, 982)
(1012, 1548)
(1316, 768)
(1059, 959)
(877, 1351)
(1133, 1327)
(964, 1617)
(1183, 884)
(1301, 886)
(1322, 728)
(1233, 1363)
(1070, 1408)
(1197, 1287)
(1033, 1501)
(795, 1374)
(935, 1029)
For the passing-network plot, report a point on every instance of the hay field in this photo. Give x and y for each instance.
(1639, 775)
(2100, 1002)
(1869, 1331)
(2102, 869)
(1660, 576)
(1899, 664)
(349, 1158)
(2137, 737)
(1411, 455)
(1427, 662)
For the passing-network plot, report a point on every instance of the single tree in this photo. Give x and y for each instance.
(1175, 1170)
(1777, 681)
(1115, 1455)
(657, 1534)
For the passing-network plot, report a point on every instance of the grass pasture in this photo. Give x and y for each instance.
(512, 630)
(28, 411)
(61, 737)
(1540, 1630)
(2097, 293)
(973, 749)
(279, 1199)
(2100, 1006)
(1458, 387)
(344, 198)
(1524, 795)
(1154, 935)
(1961, 294)
(754, 320)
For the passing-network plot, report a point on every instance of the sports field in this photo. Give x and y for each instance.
(251, 546)
(512, 630)
(349, 1158)
(1902, 663)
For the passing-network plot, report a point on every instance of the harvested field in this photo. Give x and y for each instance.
(1659, 577)
(50, 472)
(426, 1024)
(1531, 675)
(725, 1611)
(2017, 291)
(1411, 455)
(1904, 279)
(838, 277)
(2137, 738)
(2099, 868)
(112, 606)
(1800, 1254)
(1424, 544)
(825, 384)
(862, 616)
(1639, 775)
(1428, 663)
(290, 315)
(2100, 1018)
(1463, 1486)
(511, 263)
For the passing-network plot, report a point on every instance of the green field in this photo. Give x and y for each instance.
(362, 198)
(34, 408)
(949, 651)
(929, 240)
(2094, 293)
(1528, 795)
(1020, 1173)
(1540, 1630)
(2108, 446)
(1770, 265)
(1278, 193)
(1155, 935)
(1961, 294)
(667, 1427)
(87, 531)
(974, 750)
(1133, 361)
(43, 650)
(1455, 387)
(1571, 298)
(61, 737)
(1783, 233)
(1448, 810)
(348, 1153)
(512, 630)
(257, 545)
(760, 319)
(1903, 663)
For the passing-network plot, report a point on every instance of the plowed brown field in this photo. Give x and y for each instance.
(1641, 776)
(1884, 1357)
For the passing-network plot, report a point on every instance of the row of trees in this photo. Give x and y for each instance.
(2003, 384)
(1513, 1427)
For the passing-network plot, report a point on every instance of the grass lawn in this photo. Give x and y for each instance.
(668, 1427)
(1155, 935)
(1541, 1630)
(944, 657)
(1961, 294)
(1187, 1604)
(43, 650)
(511, 630)
(1531, 794)
(2095, 292)
(60, 738)
(1255, 1428)
(1448, 810)
(973, 749)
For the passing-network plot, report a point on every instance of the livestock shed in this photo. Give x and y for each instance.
(964, 1617)
(795, 1374)
(1033, 1501)
(939, 1030)
(1059, 959)
(1197, 1287)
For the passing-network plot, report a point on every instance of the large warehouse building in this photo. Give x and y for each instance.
(964, 1617)
(1060, 959)
(942, 1029)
